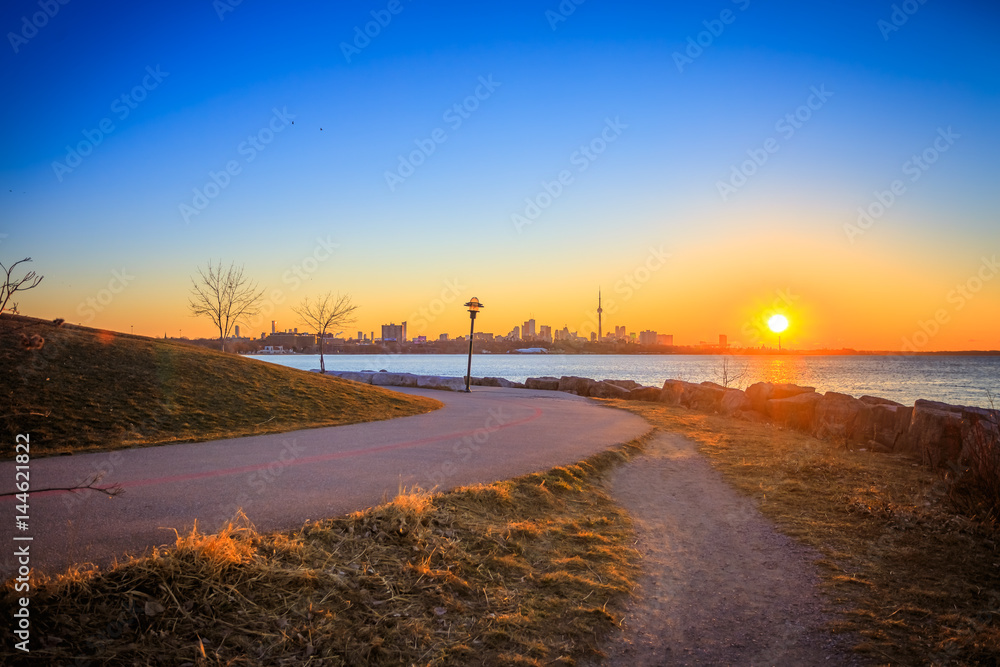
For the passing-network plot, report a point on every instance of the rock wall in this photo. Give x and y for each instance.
(386, 379)
(935, 433)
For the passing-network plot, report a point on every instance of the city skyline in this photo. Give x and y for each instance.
(703, 164)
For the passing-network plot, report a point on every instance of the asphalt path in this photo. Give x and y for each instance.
(282, 480)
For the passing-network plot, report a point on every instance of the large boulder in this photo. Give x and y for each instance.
(650, 394)
(672, 392)
(575, 385)
(733, 401)
(492, 382)
(759, 394)
(624, 384)
(365, 377)
(935, 432)
(798, 412)
(606, 390)
(394, 379)
(706, 396)
(840, 415)
(547, 383)
(980, 431)
(438, 382)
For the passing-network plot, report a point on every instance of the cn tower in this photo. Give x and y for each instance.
(600, 310)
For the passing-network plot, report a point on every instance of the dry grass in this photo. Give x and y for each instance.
(530, 571)
(918, 582)
(88, 389)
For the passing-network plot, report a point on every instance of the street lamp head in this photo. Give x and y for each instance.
(474, 306)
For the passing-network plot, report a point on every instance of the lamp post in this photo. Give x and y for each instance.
(474, 306)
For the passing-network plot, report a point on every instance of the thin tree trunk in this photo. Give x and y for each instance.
(322, 366)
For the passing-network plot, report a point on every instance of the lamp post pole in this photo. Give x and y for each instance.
(473, 307)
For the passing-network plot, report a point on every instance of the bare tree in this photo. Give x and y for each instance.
(10, 285)
(729, 374)
(225, 296)
(325, 312)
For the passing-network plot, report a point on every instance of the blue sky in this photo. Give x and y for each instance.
(681, 131)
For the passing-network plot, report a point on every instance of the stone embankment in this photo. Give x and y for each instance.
(387, 379)
(935, 433)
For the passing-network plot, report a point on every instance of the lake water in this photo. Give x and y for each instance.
(957, 380)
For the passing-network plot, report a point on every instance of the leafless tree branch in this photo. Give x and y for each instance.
(326, 311)
(225, 296)
(89, 484)
(11, 285)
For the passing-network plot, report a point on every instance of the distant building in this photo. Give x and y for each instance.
(237, 328)
(515, 334)
(361, 336)
(620, 333)
(723, 341)
(528, 331)
(274, 324)
(647, 337)
(482, 336)
(443, 336)
(420, 340)
(545, 333)
(394, 332)
(593, 336)
(291, 341)
(665, 339)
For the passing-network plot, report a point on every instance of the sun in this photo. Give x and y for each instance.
(777, 323)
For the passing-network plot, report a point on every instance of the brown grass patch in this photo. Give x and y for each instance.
(88, 389)
(918, 582)
(531, 571)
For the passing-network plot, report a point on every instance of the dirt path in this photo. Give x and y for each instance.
(720, 585)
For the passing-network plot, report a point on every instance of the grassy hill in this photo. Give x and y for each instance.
(90, 389)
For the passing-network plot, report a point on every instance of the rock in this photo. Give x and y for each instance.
(649, 394)
(885, 422)
(759, 394)
(840, 415)
(876, 400)
(733, 401)
(798, 412)
(980, 430)
(706, 396)
(935, 432)
(782, 390)
(492, 382)
(394, 379)
(575, 385)
(605, 390)
(672, 392)
(438, 382)
(624, 384)
(547, 383)
(364, 377)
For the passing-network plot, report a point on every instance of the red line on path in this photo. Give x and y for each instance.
(297, 462)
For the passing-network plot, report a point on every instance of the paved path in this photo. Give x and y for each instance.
(281, 480)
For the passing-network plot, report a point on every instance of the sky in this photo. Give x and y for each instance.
(704, 166)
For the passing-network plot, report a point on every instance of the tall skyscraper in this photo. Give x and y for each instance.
(600, 310)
